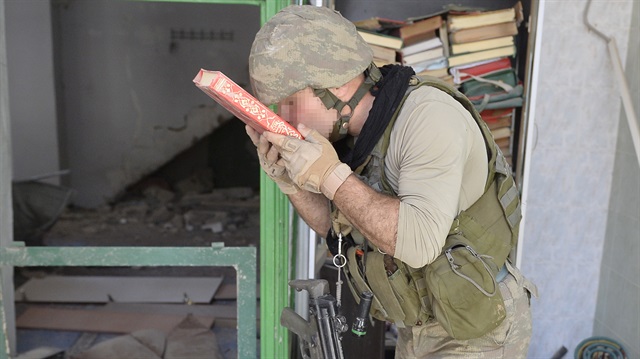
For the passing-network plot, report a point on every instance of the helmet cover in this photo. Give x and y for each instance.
(305, 46)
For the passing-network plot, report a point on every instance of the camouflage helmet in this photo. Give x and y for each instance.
(305, 46)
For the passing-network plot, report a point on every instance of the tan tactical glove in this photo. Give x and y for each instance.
(271, 165)
(312, 163)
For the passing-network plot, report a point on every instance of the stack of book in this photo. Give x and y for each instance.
(376, 32)
(469, 48)
(482, 35)
(421, 43)
(482, 46)
(500, 122)
(424, 45)
(493, 87)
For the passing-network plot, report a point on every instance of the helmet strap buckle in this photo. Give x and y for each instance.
(330, 101)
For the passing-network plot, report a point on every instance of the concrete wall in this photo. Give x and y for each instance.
(126, 99)
(618, 306)
(31, 84)
(577, 114)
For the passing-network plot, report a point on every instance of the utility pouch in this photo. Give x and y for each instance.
(358, 285)
(465, 297)
(483, 225)
(394, 290)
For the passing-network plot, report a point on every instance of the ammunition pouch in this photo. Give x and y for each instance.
(463, 293)
(395, 296)
(357, 284)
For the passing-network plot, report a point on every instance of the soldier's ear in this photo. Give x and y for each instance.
(346, 91)
(342, 92)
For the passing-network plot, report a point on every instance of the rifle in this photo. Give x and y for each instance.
(321, 336)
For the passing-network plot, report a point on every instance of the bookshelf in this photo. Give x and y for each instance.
(357, 10)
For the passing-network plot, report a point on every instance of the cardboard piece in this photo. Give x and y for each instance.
(189, 339)
(102, 289)
(226, 315)
(103, 321)
(43, 353)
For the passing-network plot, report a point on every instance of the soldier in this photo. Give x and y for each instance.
(404, 178)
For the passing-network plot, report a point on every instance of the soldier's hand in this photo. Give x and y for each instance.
(311, 163)
(271, 162)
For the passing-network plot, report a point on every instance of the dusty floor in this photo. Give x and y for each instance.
(162, 218)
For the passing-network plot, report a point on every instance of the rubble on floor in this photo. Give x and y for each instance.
(164, 218)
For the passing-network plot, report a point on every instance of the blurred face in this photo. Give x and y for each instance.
(304, 107)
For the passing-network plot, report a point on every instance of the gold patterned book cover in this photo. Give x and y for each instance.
(242, 104)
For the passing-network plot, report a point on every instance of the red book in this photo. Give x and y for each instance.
(496, 115)
(242, 104)
(461, 73)
(499, 122)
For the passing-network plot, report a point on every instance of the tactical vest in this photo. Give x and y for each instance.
(401, 293)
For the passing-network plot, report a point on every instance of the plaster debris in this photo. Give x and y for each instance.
(160, 194)
(199, 182)
(163, 217)
(215, 227)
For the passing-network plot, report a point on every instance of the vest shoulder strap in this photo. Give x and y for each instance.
(497, 165)
(435, 82)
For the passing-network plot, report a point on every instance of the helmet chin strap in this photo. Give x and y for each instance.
(341, 126)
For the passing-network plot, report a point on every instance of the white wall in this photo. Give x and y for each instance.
(569, 180)
(123, 82)
(618, 309)
(34, 130)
